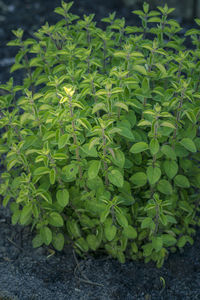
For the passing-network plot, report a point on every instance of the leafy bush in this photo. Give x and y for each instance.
(100, 142)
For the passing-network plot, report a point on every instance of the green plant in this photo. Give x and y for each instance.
(100, 141)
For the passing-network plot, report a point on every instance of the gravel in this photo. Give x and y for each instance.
(27, 273)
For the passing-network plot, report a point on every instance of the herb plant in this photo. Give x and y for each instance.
(100, 142)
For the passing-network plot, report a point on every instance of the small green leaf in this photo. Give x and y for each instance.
(104, 214)
(12, 163)
(154, 146)
(92, 241)
(82, 244)
(148, 223)
(94, 169)
(139, 179)
(46, 235)
(89, 151)
(168, 240)
(37, 241)
(55, 219)
(169, 152)
(52, 176)
(140, 69)
(99, 106)
(62, 197)
(44, 194)
(129, 232)
(188, 144)
(58, 241)
(157, 243)
(147, 248)
(41, 171)
(171, 168)
(63, 140)
(116, 177)
(126, 132)
(110, 231)
(119, 158)
(182, 181)
(121, 105)
(25, 214)
(153, 174)
(121, 219)
(70, 171)
(139, 147)
(164, 187)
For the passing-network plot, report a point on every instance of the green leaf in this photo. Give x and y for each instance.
(94, 169)
(25, 214)
(153, 174)
(129, 232)
(82, 244)
(126, 132)
(46, 235)
(121, 219)
(15, 217)
(116, 177)
(63, 140)
(183, 240)
(139, 147)
(121, 105)
(188, 144)
(182, 181)
(169, 152)
(92, 241)
(45, 195)
(58, 241)
(55, 219)
(70, 171)
(41, 171)
(110, 231)
(89, 152)
(170, 168)
(11, 163)
(157, 243)
(147, 248)
(154, 146)
(162, 69)
(99, 106)
(163, 219)
(148, 223)
(62, 197)
(168, 240)
(140, 69)
(52, 176)
(181, 151)
(85, 123)
(139, 179)
(164, 187)
(37, 241)
(167, 124)
(119, 158)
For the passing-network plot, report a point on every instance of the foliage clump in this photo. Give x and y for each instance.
(100, 142)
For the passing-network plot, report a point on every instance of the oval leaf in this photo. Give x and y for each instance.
(188, 144)
(153, 174)
(116, 177)
(139, 147)
(181, 181)
(62, 197)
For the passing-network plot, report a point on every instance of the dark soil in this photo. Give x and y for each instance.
(27, 273)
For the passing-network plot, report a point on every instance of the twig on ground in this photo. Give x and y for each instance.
(86, 280)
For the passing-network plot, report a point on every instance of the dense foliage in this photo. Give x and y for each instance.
(100, 142)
